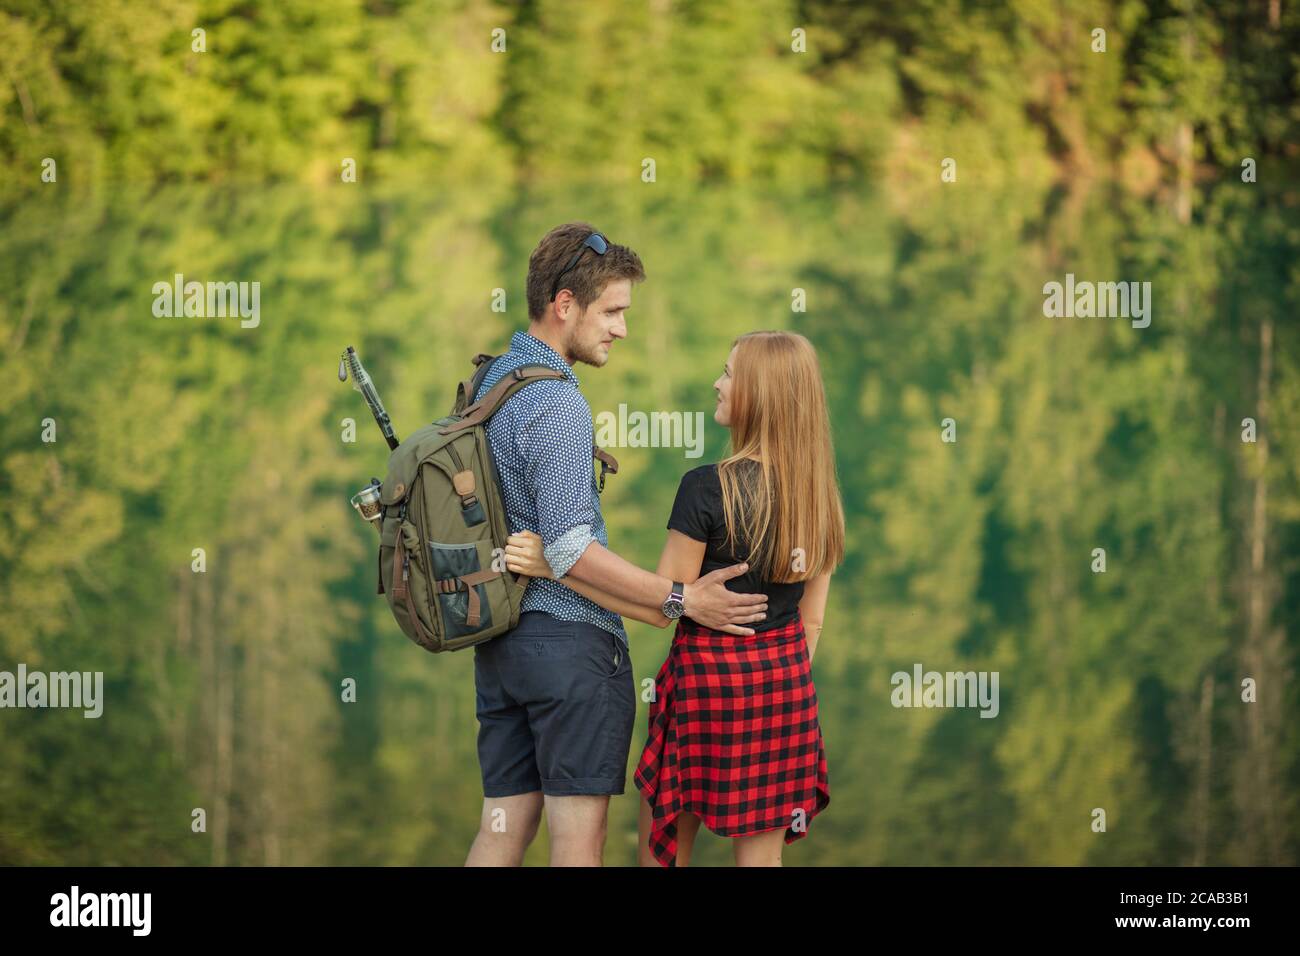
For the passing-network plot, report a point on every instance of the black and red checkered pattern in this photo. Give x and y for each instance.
(734, 736)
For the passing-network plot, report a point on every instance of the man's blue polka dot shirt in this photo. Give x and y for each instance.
(541, 440)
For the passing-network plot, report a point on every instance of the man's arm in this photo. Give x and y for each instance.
(554, 444)
(707, 600)
(637, 612)
(681, 560)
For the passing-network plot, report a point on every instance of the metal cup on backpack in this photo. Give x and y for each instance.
(366, 501)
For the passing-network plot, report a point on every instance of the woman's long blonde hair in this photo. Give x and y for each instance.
(789, 507)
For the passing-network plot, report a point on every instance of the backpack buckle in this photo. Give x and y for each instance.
(608, 463)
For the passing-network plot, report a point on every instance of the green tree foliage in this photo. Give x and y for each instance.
(1119, 691)
(799, 91)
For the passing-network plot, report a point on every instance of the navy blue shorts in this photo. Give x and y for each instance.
(556, 704)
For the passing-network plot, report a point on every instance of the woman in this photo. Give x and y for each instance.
(734, 737)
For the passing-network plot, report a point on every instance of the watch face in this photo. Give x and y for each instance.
(675, 605)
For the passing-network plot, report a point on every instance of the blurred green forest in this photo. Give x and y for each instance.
(775, 171)
(113, 90)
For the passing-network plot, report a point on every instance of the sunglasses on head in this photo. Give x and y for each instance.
(595, 242)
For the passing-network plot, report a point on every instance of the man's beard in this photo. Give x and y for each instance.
(587, 355)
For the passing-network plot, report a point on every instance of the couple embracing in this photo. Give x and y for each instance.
(734, 740)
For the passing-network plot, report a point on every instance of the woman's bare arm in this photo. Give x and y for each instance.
(812, 609)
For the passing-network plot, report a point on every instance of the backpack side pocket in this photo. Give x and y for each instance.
(472, 595)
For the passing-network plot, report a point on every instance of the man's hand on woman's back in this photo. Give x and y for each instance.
(708, 602)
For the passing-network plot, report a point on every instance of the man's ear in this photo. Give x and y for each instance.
(565, 306)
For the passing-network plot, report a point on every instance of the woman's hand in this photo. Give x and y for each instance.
(524, 556)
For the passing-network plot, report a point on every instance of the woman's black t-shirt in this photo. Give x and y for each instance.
(697, 513)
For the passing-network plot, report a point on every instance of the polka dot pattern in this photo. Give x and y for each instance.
(541, 441)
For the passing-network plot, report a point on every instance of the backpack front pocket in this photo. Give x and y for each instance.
(470, 593)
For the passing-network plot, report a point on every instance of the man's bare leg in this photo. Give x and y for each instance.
(577, 826)
(506, 829)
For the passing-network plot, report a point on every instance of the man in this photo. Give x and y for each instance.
(555, 696)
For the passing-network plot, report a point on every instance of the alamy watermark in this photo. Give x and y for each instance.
(651, 430)
(76, 908)
(195, 299)
(1117, 300)
(923, 688)
(76, 689)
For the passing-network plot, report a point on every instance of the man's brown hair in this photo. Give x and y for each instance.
(589, 276)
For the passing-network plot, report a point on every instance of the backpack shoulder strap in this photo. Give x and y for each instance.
(480, 411)
(468, 388)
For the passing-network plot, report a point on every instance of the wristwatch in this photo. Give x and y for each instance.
(674, 606)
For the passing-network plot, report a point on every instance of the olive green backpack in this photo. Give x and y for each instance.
(443, 527)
